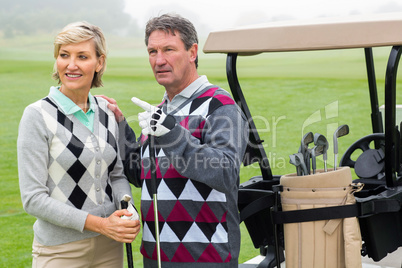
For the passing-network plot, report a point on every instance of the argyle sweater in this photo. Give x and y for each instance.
(66, 171)
(198, 164)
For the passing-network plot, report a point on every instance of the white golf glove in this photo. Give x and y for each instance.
(130, 209)
(153, 121)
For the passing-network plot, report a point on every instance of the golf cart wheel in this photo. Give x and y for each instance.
(369, 164)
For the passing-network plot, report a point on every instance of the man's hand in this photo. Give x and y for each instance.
(112, 105)
(153, 121)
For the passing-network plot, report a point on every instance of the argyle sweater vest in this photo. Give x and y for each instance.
(192, 216)
(76, 175)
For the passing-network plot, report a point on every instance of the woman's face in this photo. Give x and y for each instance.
(77, 64)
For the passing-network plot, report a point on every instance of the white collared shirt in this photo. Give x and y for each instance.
(184, 95)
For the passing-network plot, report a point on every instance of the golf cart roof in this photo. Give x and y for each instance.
(300, 35)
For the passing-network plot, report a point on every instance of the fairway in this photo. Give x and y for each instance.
(288, 95)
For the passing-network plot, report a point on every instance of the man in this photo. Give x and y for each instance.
(200, 139)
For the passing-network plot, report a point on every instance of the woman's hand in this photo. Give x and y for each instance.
(114, 227)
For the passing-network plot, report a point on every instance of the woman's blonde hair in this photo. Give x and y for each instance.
(78, 32)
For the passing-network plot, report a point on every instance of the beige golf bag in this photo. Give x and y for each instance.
(324, 243)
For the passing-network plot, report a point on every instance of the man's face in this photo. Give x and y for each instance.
(172, 64)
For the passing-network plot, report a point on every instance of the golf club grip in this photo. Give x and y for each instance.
(123, 204)
(129, 251)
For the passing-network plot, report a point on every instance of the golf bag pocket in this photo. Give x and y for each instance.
(319, 237)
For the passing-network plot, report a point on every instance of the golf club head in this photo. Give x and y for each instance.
(296, 162)
(339, 132)
(293, 160)
(306, 140)
(307, 153)
(317, 150)
(320, 140)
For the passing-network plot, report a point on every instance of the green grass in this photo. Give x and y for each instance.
(282, 90)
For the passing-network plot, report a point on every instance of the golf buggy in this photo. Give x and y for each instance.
(379, 167)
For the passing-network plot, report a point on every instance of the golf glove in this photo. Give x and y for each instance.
(133, 211)
(153, 121)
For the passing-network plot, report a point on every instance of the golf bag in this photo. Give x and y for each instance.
(313, 243)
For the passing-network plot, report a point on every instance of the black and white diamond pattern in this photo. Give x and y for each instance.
(80, 161)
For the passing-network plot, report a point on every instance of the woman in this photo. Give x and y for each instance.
(70, 172)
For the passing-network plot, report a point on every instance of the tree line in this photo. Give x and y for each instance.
(27, 17)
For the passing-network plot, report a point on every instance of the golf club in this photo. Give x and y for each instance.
(320, 140)
(299, 158)
(124, 205)
(306, 140)
(155, 196)
(316, 151)
(293, 161)
(339, 132)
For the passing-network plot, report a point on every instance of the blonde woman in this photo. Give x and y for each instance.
(70, 172)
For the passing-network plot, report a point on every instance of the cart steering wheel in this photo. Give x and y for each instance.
(370, 164)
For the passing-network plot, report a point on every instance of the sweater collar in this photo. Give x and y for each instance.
(191, 89)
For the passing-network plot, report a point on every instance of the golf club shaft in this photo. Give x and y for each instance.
(158, 244)
(155, 196)
(129, 251)
(298, 171)
(313, 163)
(307, 161)
(335, 160)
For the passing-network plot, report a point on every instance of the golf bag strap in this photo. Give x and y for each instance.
(380, 206)
(316, 214)
(257, 205)
(337, 212)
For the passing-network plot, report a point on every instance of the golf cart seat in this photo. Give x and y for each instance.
(380, 209)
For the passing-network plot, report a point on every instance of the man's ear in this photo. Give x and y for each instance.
(193, 52)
